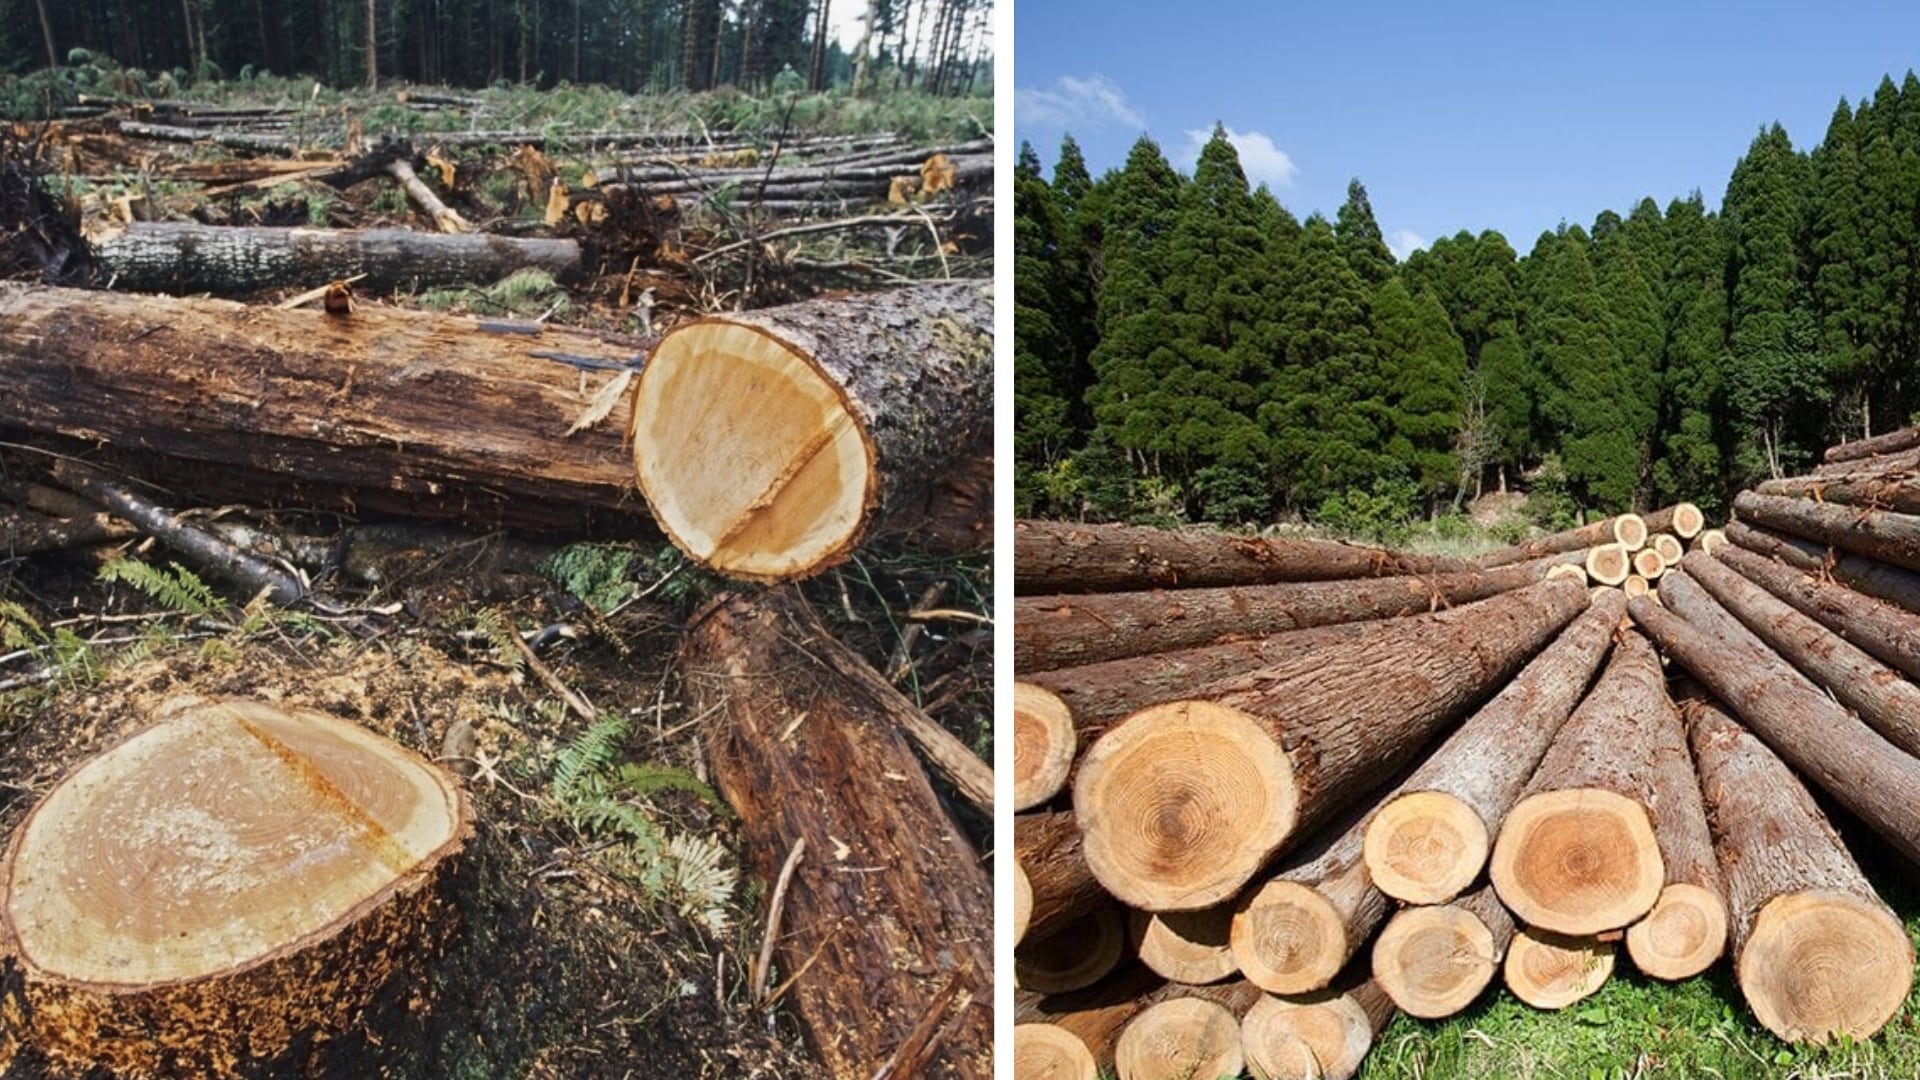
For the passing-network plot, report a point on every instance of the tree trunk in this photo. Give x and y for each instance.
(373, 47)
(1815, 951)
(1255, 761)
(1337, 1028)
(1297, 932)
(1889, 583)
(1687, 929)
(1682, 519)
(1577, 854)
(1431, 840)
(1877, 465)
(817, 56)
(1433, 961)
(251, 879)
(46, 33)
(873, 945)
(1047, 847)
(1060, 557)
(1044, 745)
(768, 443)
(1885, 630)
(1627, 530)
(1864, 772)
(1876, 534)
(1552, 971)
(1890, 443)
(1095, 1018)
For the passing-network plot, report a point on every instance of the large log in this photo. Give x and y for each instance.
(1887, 631)
(1430, 841)
(223, 893)
(878, 924)
(1434, 960)
(1682, 519)
(1877, 534)
(1295, 933)
(1815, 951)
(1182, 803)
(1627, 530)
(769, 443)
(1889, 583)
(1898, 491)
(1179, 1039)
(1062, 557)
(1890, 443)
(1686, 931)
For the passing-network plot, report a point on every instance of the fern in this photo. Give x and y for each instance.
(595, 574)
(587, 755)
(647, 777)
(176, 589)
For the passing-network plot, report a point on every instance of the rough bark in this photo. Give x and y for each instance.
(1336, 1027)
(1552, 971)
(1878, 464)
(876, 945)
(1434, 960)
(1577, 854)
(1062, 557)
(1877, 534)
(1044, 745)
(1890, 443)
(1682, 519)
(1095, 1017)
(1430, 841)
(1047, 847)
(1294, 934)
(1687, 929)
(1180, 1039)
(1815, 951)
(1887, 631)
(1899, 492)
(768, 443)
(1889, 583)
(1627, 530)
(1183, 802)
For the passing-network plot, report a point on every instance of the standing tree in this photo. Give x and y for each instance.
(373, 47)
(1426, 379)
(1585, 390)
(1361, 244)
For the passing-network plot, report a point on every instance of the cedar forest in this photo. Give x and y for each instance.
(1186, 349)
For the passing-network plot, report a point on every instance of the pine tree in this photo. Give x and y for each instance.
(1837, 259)
(1360, 241)
(1475, 281)
(1043, 389)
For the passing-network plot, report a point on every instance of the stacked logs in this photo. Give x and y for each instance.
(1274, 791)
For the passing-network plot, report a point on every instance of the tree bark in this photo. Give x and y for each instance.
(1884, 630)
(1047, 847)
(768, 443)
(1815, 951)
(1552, 971)
(1060, 557)
(874, 946)
(1430, 841)
(1297, 932)
(1627, 530)
(1876, 534)
(1899, 492)
(1577, 853)
(1877, 579)
(1682, 519)
(1433, 961)
(1890, 443)
(1255, 761)
(1687, 929)
(1336, 1027)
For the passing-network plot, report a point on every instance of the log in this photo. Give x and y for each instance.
(1710, 541)
(24, 531)
(1337, 1027)
(1648, 564)
(1890, 443)
(1670, 548)
(1062, 557)
(1047, 848)
(1609, 564)
(1856, 765)
(1687, 929)
(1296, 933)
(1889, 583)
(224, 890)
(1627, 530)
(1876, 692)
(1080, 954)
(444, 217)
(1179, 1039)
(1577, 853)
(769, 443)
(1430, 841)
(1877, 534)
(1044, 745)
(253, 144)
(1096, 1016)
(1816, 953)
(1898, 492)
(1884, 630)
(875, 943)
(1877, 465)
(1182, 803)
(1635, 585)
(1185, 946)
(1682, 519)
(1433, 961)
(1552, 971)
(182, 258)
(1052, 1052)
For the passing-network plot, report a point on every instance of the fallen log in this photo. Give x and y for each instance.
(1885, 630)
(871, 946)
(24, 531)
(1062, 557)
(444, 217)
(1044, 745)
(1552, 971)
(1627, 530)
(1336, 1027)
(1682, 519)
(1179, 1039)
(253, 144)
(1577, 854)
(1430, 841)
(1433, 961)
(1297, 932)
(223, 893)
(1877, 579)
(1686, 931)
(1877, 534)
(768, 443)
(1890, 443)
(1816, 952)
(1183, 802)
(1193, 947)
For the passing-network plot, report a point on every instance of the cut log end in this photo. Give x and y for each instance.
(1567, 570)
(1051, 1052)
(1043, 745)
(1630, 530)
(1186, 946)
(1635, 585)
(1075, 957)
(1552, 971)
(1682, 936)
(1177, 1040)
(1608, 564)
(1181, 803)
(1434, 961)
(1710, 541)
(1425, 846)
(1819, 964)
(1334, 1028)
(1288, 939)
(1022, 902)
(1577, 861)
(1670, 548)
(1688, 520)
(1648, 564)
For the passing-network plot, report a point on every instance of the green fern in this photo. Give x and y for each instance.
(176, 588)
(587, 755)
(644, 778)
(595, 574)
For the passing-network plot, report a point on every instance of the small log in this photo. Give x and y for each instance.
(253, 144)
(769, 443)
(1609, 564)
(1179, 1039)
(1815, 951)
(1052, 1052)
(1648, 564)
(1186, 946)
(1710, 541)
(1682, 519)
(1044, 745)
(1098, 1015)
(1061, 557)
(1635, 585)
(1877, 534)
(1430, 841)
(1890, 443)
(1670, 548)
(1687, 929)
(1627, 530)
(1047, 848)
(1296, 933)
(1434, 961)
(444, 217)
(1182, 803)
(1080, 954)
(1552, 971)
(1337, 1027)
(1887, 631)
(1889, 583)
(1899, 492)
(222, 889)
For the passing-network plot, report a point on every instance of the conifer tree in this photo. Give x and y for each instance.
(1361, 244)
(1425, 379)
(1043, 381)
(1621, 257)
(1585, 393)
(1689, 463)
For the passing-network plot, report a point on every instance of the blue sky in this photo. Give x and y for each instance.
(1509, 116)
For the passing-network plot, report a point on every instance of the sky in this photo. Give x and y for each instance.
(1463, 115)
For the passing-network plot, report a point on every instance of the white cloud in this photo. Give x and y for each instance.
(1075, 103)
(1262, 161)
(1404, 242)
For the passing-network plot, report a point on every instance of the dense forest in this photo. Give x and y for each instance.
(1186, 348)
(938, 46)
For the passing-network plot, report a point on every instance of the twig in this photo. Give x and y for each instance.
(910, 1057)
(763, 962)
(902, 660)
(781, 990)
(814, 227)
(948, 615)
(577, 704)
(311, 295)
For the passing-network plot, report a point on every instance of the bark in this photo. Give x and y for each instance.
(181, 258)
(1899, 492)
(1884, 630)
(1627, 530)
(1877, 579)
(1337, 1028)
(1294, 934)
(1433, 961)
(1877, 534)
(1552, 971)
(1047, 847)
(1682, 519)
(1577, 854)
(1816, 953)
(1241, 766)
(873, 180)
(1687, 929)
(1891, 443)
(1430, 841)
(232, 140)
(1096, 1017)
(1060, 557)
(321, 869)
(875, 945)
(823, 415)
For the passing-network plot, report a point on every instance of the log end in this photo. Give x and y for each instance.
(1335, 1029)
(1576, 571)
(1277, 1054)
(1688, 520)
(1710, 541)
(1608, 564)
(1022, 902)
(1178, 1039)
(1648, 564)
(1051, 1052)
(1289, 939)
(1635, 585)
(1433, 961)
(1043, 744)
(1577, 861)
(1669, 547)
(1186, 946)
(1630, 531)
(1182, 803)
(1823, 963)
(1552, 971)
(1076, 956)
(1682, 936)
(1424, 847)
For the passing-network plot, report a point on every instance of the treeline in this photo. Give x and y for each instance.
(938, 46)
(1186, 347)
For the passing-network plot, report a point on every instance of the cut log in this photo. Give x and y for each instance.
(1186, 946)
(1182, 803)
(1899, 492)
(1710, 541)
(1890, 443)
(1051, 1052)
(1179, 1039)
(1856, 765)
(1670, 548)
(875, 945)
(1061, 557)
(1577, 854)
(1609, 564)
(1044, 745)
(444, 217)
(768, 443)
(1575, 570)
(1337, 1027)
(1815, 951)
(1887, 702)
(1047, 847)
(1022, 902)
(1877, 534)
(1078, 955)
(1635, 585)
(1627, 530)
(1889, 583)
(1097, 1015)
(1434, 961)
(1429, 842)
(1687, 929)
(1297, 932)
(1067, 630)
(1682, 519)
(1552, 971)
(222, 889)
(1887, 631)
(1877, 465)
(182, 258)
(1648, 564)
